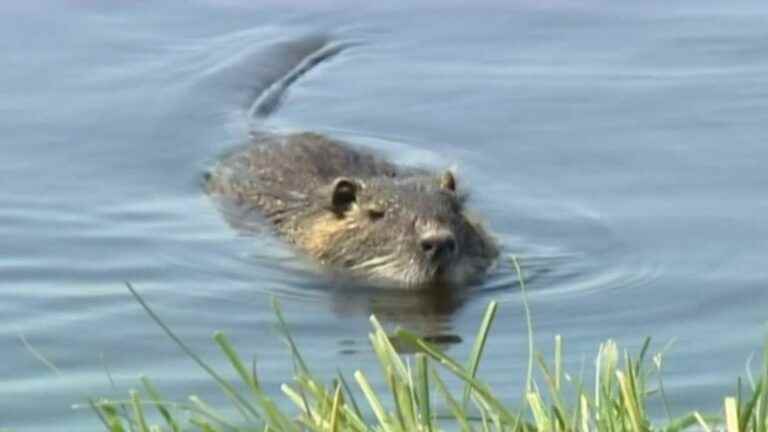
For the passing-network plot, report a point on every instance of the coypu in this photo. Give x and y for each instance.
(350, 209)
(347, 207)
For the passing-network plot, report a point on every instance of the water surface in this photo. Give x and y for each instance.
(617, 150)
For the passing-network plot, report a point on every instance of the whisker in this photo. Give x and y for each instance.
(376, 262)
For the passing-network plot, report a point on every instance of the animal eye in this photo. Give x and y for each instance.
(375, 213)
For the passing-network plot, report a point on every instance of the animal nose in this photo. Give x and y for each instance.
(438, 245)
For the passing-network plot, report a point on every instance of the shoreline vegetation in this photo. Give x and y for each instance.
(416, 397)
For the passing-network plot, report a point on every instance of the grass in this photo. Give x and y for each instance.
(418, 399)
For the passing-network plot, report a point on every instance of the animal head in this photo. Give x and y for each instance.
(410, 232)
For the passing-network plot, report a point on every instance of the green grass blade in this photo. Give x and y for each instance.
(554, 392)
(373, 401)
(641, 357)
(161, 408)
(658, 360)
(203, 425)
(747, 409)
(458, 370)
(396, 396)
(762, 412)
(540, 417)
(385, 351)
(284, 330)
(630, 401)
(731, 415)
(138, 412)
(479, 346)
(584, 412)
(458, 411)
(350, 395)
(275, 416)
(529, 324)
(234, 359)
(422, 385)
(201, 408)
(108, 414)
(702, 422)
(243, 405)
(682, 423)
(334, 427)
(483, 414)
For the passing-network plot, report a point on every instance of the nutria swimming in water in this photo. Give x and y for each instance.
(350, 209)
(353, 210)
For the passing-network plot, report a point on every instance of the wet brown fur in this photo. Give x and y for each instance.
(301, 184)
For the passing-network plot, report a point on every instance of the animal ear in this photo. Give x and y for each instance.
(344, 194)
(448, 181)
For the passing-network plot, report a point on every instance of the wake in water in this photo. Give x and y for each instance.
(547, 271)
(268, 100)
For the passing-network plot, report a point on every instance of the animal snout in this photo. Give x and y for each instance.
(438, 246)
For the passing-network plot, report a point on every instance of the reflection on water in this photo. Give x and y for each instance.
(428, 313)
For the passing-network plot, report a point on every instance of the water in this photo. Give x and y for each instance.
(617, 149)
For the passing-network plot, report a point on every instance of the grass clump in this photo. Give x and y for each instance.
(418, 399)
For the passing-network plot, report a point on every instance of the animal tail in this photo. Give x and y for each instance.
(304, 56)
